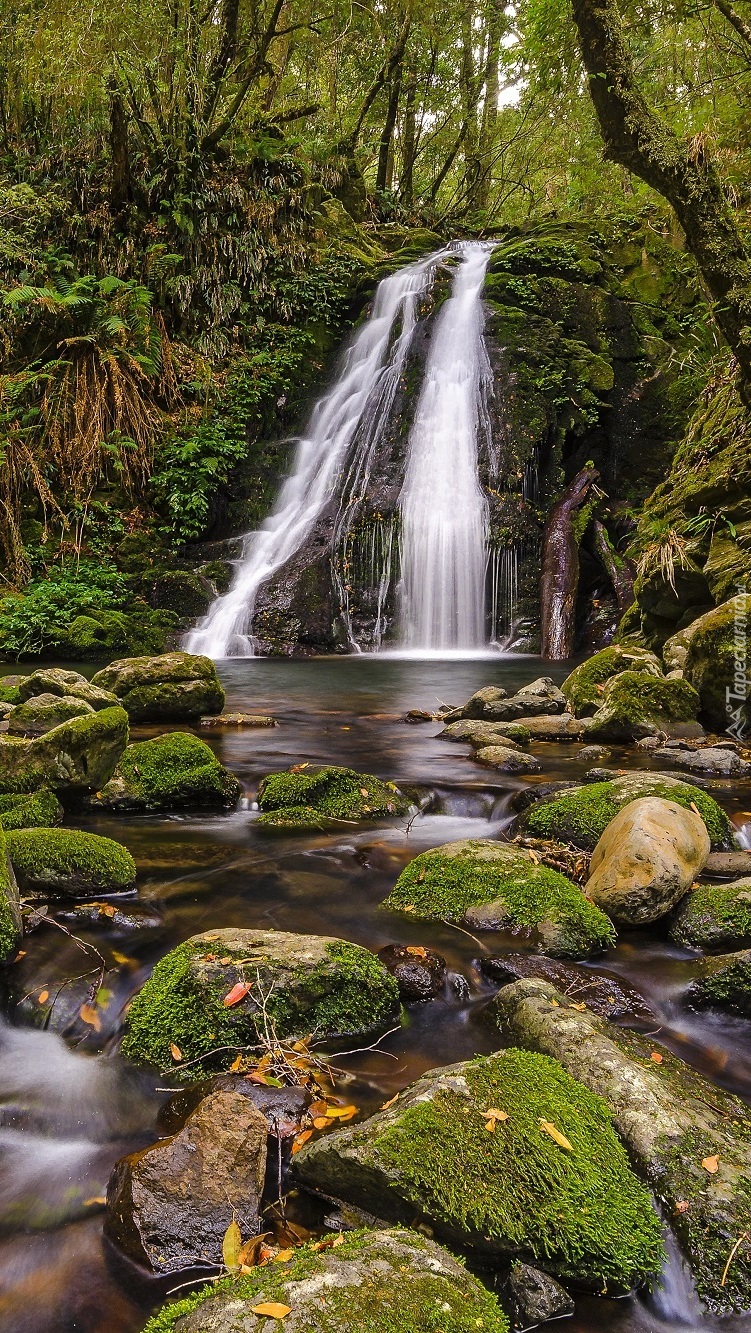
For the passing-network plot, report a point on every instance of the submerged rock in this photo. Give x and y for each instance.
(226, 721)
(723, 982)
(381, 1281)
(41, 713)
(506, 760)
(690, 1140)
(583, 689)
(42, 810)
(715, 916)
(420, 973)
(172, 772)
(73, 759)
(174, 687)
(535, 1297)
(580, 815)
(646, 861)
(480, 734)
(69, 863)
(302, 983)
(511, 1190)
(602, 993)
(639, 703)
(303, 796)
(169, 1206)
(494, 886)
(68, 684)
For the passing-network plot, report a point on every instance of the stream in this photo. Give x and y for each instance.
(70, 1108)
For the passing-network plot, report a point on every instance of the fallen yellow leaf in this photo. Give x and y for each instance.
(711, 1164)
(236, 1064)
(496, 1114)
(96, 1201)
(284, 1256)
(175, 1051)
(341, 1112)
(556, 1135)
(231, 1246)
(580, 1007)
(273, 1309)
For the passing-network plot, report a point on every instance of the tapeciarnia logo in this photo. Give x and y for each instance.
(736, 695)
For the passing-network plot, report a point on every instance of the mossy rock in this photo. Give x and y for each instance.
(69, 863)
(583, 688)
(38, 810)
(10, 693)
(312, 984)
(516, 1191)
(335, 793)
(72, 685)
(176, 771)
(10, 905)
(393, 1281)
(580, 815)
(96, 633)
(73, 759)
(715, 916)
(295, 818)
(723, 982)
(38, 715)
(174, 687)
(710, 665)
(188, 594)
(637, 703)
(494, 886)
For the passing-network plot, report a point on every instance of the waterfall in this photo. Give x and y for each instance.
(346, 421)
(444, 511)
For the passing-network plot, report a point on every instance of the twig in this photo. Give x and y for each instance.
(359, 1050)
(743, 1236)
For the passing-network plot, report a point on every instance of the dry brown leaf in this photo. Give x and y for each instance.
(89, 1015)
(533, 856)
(231, 1246)
(363, 791)
(322, 1122)
(655, 1057)
(409, 908)
(318, 1108)
(556, 1135)
(225, 962)
(417, 950)
(682, 1206)
(580, 1007)
(711, 1164)
(272, 1309)
(236, 1064)
(249, 1254)
(43, 997)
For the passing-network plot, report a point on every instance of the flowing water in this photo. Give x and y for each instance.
(69, 1109)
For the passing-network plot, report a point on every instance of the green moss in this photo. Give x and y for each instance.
(392, 1299)
(41, 810)
(9, 694)
(634, 696)
(582, 687)
(729, 986)
(10, 916)
(42, 857)
(580, 816)
(168, 773)
(715, 916)
(339, 793)
(436, 886)
(300, 817)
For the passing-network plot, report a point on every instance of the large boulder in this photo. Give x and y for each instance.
(646, 861)
(302, 984)
(69, 863)
(172, 772)
(40, 810)
(537, 699)
(584, 688)
(723, 982)
(489, 885)
(690, 1140)
(307, 796)
(639, 703)
(717, 665)
(379, 1281)
(174, 687)
(10, 905)
(505, 760)
(73, 759)
(476, 705)
(715, 917)
(169, 1206)
(68, 684)
(506, 1155)
(42, 712)
(580, 815)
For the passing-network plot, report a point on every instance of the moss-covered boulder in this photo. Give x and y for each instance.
(70, 684)
(38, 715)
(583, 689)
(580, 815)
(394, 1281)
(494, 886)
(716, 664)
(174, 687)
(507, 1155)
(305, 797)
(77, 757)
(690, 1140)
(9, 689)
(69, 863)
(302, 984)
(723, 982)
(172, 772)
(39, 810)
(715, 916)
(639, 703)
(10, 905)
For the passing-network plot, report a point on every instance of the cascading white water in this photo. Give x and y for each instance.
(444, 511)
(357, 404)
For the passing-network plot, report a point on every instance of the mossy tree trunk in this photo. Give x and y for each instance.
(678, 169)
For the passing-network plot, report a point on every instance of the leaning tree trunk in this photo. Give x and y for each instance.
(678, 169)
(617, 569)
(560, 568)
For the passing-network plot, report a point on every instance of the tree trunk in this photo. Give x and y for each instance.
(615, 566)
(409, 148)
(678, 170)
(490, 107)
(470, 98)
(385, 146)
(559, 581)
(120, 183)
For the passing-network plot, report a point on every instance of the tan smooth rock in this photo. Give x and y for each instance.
(646, 860)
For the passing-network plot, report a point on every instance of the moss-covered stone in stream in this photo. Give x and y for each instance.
(635, 703)
(172, 772)
(491, 885)
(574, 1207)
(10, 908)
(69, 862)
(77, 757)
(583, 688)
(723, 981)
(714, 916)
(336, 793)
(304, 983)
(394, 1281)
(40, 810)
(581, 814)
(716, 668)
(301, 818)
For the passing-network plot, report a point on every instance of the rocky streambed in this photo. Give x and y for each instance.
(324, 1005)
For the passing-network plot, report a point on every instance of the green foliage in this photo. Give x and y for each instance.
(10, 918)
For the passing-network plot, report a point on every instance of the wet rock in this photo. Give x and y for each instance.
(481, 734)
(419, 973)
(646, 861)
(283, 1109)
(111, 916)
(425, 1156)
(580, 815)
(328, 792)
(671, 1120)
(300, 983)
(69, 863)
(177, 771)
(419, 715)
(495, 886)
(592, 754)
(41, 713)
(477, 706)
(506, 760)
(73, 759)
(67, 684)
(710, 664)
(42, 810)
(723, 982)
(530, 794)
(637, 704)
(728, 865)
(169, 1206)
(583, 689)
(375, 1280)
(535, 1296)
(603, 994)
(229, 720)
(712, 759)
(174, 687)
(538, 699)
(563, 727)
(715, 916)
(675, 648)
